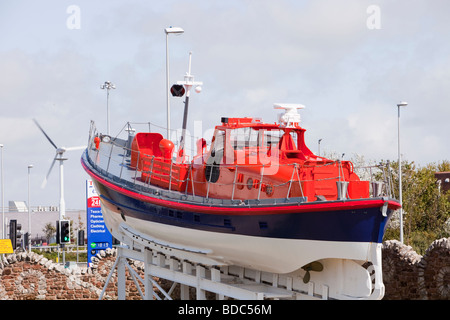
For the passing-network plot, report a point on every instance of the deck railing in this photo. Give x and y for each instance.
(156, 171)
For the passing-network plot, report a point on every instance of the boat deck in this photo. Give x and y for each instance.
(147, 171)
(112, 160)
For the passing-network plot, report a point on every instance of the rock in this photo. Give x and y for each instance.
(11, 258)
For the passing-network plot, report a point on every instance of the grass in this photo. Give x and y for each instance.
(69, 256)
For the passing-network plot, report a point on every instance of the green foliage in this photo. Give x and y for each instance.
(49, 231)
(426, 208)
(70, 256)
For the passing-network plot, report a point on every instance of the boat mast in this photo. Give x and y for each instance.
(188, 83)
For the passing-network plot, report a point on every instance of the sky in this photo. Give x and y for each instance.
(350, 62)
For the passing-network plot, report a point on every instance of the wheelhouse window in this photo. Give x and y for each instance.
(241, 138)
(244, 137)
(239, 144)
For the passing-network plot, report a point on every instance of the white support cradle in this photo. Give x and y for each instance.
(194, 269)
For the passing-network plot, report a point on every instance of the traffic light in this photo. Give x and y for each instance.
(15, 233)
(81, 237)
(64, 231)
(26, 238)
(19, 234)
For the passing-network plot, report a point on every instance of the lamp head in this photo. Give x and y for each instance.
(402, 104)
(174, 30)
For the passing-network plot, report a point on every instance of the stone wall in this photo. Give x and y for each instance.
(24, 276)
(408, 275)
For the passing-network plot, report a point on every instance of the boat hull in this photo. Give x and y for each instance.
(274, 238)
(277, 255)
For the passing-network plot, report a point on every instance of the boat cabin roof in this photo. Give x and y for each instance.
(246, 122)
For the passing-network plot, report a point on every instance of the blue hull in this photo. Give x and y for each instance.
(347, 221)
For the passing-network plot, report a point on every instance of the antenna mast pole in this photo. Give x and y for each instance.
(188, 83)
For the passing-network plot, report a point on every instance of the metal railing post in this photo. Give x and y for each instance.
(209, 182)
(137, 167)
(170, 175)
(234, 181)
(260, 181)
(187, 179)
(192, 181)
(110, 153)
(123, 160)
(299, 181)
(290, 183)
(151, 171)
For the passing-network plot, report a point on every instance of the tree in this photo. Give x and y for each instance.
(426, 210)
(49, 231)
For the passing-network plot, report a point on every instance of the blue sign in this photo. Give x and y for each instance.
(98, 235)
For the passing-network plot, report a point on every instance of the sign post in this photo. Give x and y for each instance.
(98, 236)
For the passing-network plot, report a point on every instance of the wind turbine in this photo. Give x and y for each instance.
(60, 157)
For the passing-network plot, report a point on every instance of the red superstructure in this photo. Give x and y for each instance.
(248, 159)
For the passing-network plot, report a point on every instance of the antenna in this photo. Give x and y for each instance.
(290, 118)
(188, 83)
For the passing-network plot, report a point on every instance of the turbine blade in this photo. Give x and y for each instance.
(45, 134)
(44, 183)
(75, 148)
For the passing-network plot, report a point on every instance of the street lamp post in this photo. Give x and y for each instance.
(170, 30)
(29, 210)
(107, 85)
(401, 104)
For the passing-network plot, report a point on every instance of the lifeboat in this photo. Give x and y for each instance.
(255, 197)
